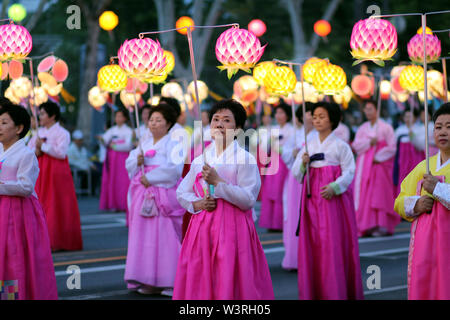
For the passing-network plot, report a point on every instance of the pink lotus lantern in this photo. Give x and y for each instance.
(415, 48)
(15, 42)
(257, 27)
(238, 49)
(142, 58)
(373, 40)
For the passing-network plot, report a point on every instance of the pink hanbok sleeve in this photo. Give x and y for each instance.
(27, 174)
(59, 144)
(362, 141)
(386, 153)
(185, 191)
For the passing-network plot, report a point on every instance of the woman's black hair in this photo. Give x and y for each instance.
(173, 103)
(145, 106)
(444, 109)
(239, 113)
(52, 109)
(166, 111)
(18, 115)
(334, 112)
(375, 104)
(416, 112)
(286, 108)
(299, 112)
(125, 113)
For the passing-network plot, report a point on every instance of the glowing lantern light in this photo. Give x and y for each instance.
(172, 90)
(128, 98)
(363, 86)
(60, 70)
(142, 58)
(310, 67)
(40, 96)
(46, 64)
(108, 20)
(9, 94)
(427, 30)
(261, 70)
(330, 79)
(47, 78)
(281, 80)
(202, 90)
(170, 61)
(344, 98)
(184, 22)
(21, 87)
(5, 69)
(415, 48)
(436, 83)
(310, 93)
(385, 89)
(238, 49)
(268, 98)
(257, 27)
(96, 97)
(15, 69)
(141, 87)
(373, 40)
(17, 12)
(52, 90)
(156, 79)
(154, 101)
(246, 89)
(111, 78)
(412, 78)
(15, 42)
(322, 28)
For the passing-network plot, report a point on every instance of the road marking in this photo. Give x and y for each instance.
(397, 288)
(67, 263)
(381, 239)
(383, 252)
(103, 226)
(97, 296)
(93, 270)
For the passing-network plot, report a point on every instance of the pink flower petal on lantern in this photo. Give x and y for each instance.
(15, 69)
(60, 71)
(46, 64)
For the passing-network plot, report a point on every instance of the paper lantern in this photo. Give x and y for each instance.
(172, 90)
(246, 88)
(21, 87)
(17, 12)
(15, 42)
(154, 101)
(310, 67)
(427, 30)
(47, 78)
(184, 22)
(373, 40)
(108, 20)
(330, 79)
(142, 58)
(396, 88)
(261, 70)
(322, 28)
(141, 87)
(156, 79)
(40, 96)
(15, 69)
(436, 83)
(170, 61)
(97, 98)
(257, 27)
(310, 94)
(46, 64)
(268, 98)
(9, 94)
(281, 80)
(60, 70)
(399, 97)
(5, 70)
(344, 98)
(52, 90)
(238, 49)
(412, 78)
(385, 89)
(111, 78)
(415, 48)
(202, 90)
(128, 99)
(363, 86)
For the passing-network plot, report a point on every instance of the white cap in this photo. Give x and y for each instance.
(77, 134)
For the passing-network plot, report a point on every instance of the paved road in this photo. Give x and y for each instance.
(102, 262)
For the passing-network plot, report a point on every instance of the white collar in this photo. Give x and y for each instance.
(438, 162)
(16, 146)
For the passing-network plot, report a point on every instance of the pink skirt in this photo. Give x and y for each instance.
(409, 158)
(115, 182)
(328, 253)
(154, 243)
(222, 259)
(271, 216)
(293, 191)
(26, 264)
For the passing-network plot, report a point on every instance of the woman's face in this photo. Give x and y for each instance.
(158, 125)
(408, 118)
(120, 118)
(321, 120)
(370, 111)
(308, 119)
(223, 125)
(145, 114)
(442, 132)
(8, 129)
(281, 117)
(44, 118)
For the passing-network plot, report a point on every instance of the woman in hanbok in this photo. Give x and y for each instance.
(407, 156)
(375, 148)
(418, 139)
(155, 217)
(424, 200)
(221, 257)
(292, 188)
(54, 187)
(115, 182)
(328, 254)
(271, 216)
(26, 264)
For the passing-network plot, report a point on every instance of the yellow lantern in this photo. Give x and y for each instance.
(344, 98)
(154, 101)
(108, 20)
(111, 78)
(330, 79)
(310, 93)
(170, 61)
(184, 22)
(281, 80)
(310, 67)
(96, 97)
(246, 89)
(427, 30)
(436, 83)
(52, 90)
(21, 87)
(172, 90)
(385, 89)
(40, 96)
(261, 70)
(412, 78)
(9, 94)
(128, 99)
(202, 90)
(157, 79)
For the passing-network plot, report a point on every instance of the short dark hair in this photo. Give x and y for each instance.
(52, 109)
(145, 106)
(299, 112)
(125, 113)
(18, 115)
(173, 103)
(444, 109)
(287, 109)
(167, 112)
(334, 112)
(239, 113)
(371, 102)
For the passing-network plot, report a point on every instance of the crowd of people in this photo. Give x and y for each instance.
(190, 211)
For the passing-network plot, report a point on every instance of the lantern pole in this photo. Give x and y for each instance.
(138, 132)
(444, 72)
